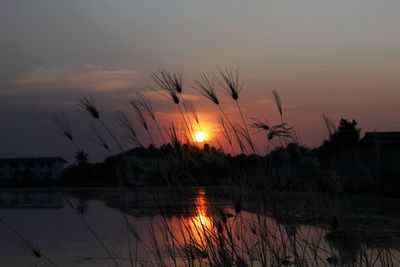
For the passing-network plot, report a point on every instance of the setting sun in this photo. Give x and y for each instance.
(200, 136)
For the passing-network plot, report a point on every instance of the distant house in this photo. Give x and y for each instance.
(31, 168)
(381, 137)
(381, 150)
(138, 163)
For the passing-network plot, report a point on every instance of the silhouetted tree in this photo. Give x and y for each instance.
(343, 139)
(347, 134)
(81, 158)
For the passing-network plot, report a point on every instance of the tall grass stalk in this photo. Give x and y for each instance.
(142, 101)
(233, 86)
(141, 118)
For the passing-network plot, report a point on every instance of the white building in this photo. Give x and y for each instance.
(31, 168)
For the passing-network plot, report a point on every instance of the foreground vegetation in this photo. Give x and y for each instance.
(263, 234)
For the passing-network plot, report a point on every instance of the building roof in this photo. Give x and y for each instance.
(392, 137)
(32, 159)
(138, 152)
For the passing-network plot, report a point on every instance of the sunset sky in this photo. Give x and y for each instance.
(338, 57)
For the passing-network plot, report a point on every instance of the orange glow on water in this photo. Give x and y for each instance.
(201, 218)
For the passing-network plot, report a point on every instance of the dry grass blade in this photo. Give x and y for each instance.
(206, 88)
(225, 130)
(192, 109)
(126, 123)
(330, 124)
(98, 139)
(29, 245)
(243, 134)
(278, 101)
(230, 82)
(139, 114)
(141, 118)
(129, 130)
(145, 105)
(194, 251)
(87, 105)
(174, 136)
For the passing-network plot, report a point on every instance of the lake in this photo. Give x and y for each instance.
(195, 226)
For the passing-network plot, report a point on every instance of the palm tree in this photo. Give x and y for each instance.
(81, 158)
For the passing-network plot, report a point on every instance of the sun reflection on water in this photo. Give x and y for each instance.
(201, 217)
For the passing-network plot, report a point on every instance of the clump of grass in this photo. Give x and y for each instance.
(206, 88)
(172, 85)
(263, 235)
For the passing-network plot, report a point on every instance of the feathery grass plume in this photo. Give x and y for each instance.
(62, 125)
(230, 82)
(280, 130)
(146, 107)
(232, 86)
(278, 102)
(206, 88)
(171, 84)
(98, 138)
(127, 125)
(87, 105)
(262, 126)
(141, 118)
(276, 131)
(330, 124)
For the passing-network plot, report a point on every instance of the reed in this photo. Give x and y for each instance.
(256, 229)
(141, 118)
(146, 106)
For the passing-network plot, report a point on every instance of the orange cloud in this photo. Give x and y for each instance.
(90, 79)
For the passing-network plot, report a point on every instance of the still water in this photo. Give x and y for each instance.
(154, 225)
